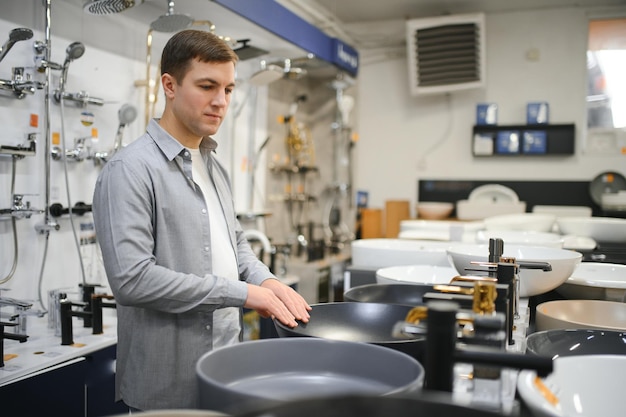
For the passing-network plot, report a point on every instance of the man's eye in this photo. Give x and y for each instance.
(229, 91)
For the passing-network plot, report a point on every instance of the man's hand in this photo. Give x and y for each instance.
(275, 299)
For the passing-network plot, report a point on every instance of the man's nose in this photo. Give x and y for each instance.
(220, 99)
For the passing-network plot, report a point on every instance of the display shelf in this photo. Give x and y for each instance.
(523, 140)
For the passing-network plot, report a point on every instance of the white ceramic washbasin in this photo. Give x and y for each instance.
(479, 210)
(489, 200)
(439, 230)
(596, 281)
(415, 274)
(379, 253)
(535, 222)
(434, 210)
(522, 237)
(581, 314)
(532, 281)
(590, 386)
(602, 229)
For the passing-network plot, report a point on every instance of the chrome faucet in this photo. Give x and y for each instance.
(78, 153)
(21, 151)
(20, 208)
(21, 312)
(21, 84)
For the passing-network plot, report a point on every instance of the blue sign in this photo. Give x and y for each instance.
(279, 20)
(345, 56)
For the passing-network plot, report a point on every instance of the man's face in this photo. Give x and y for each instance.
(200, 100)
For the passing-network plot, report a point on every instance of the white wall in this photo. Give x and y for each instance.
(405, 138)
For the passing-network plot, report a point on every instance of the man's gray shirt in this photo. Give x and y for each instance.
(152, 224)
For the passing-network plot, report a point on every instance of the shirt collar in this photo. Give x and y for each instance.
(170, 146)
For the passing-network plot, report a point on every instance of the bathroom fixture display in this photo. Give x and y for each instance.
(126, 115)
(80, 208)
(16, 35)
(21, 151)
(20, 208)
(299, 162)
(171, 21)
(20, 84)
(245, 51)
(80, 98)
(74, 51)
(18, 316)
(103, 7)
(338, 193)
(267, 74)
(78, 153)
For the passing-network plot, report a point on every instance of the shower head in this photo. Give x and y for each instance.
(171, 22)
(74, 51)
(102, 7)
(127, 114)
(20, 34)
(293, 73)
(16, 35)
(246, 51)
(266, 75)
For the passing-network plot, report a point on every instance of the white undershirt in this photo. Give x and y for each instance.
(226, 326)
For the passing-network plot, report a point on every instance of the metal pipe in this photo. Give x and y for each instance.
(47, 154)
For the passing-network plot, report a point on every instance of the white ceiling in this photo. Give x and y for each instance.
(368, 25)
(352, 11)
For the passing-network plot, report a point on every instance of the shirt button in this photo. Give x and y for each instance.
(203, 211)
(186, 153)
(206, 248)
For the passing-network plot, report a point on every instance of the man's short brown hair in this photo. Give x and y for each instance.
(190, 44)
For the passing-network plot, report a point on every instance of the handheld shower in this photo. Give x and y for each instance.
(16, 35)
(126, 114)
(74, 51)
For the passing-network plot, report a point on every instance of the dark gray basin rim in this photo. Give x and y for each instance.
(273, 371)
(358, 322)
(574, 342)
(405, 294)
(360, 406)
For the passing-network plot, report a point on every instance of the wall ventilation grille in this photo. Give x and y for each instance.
(446, 53)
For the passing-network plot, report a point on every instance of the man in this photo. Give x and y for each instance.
(176, 260)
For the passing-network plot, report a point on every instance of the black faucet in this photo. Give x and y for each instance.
(13, 336)
(442, 352)
(94, 315)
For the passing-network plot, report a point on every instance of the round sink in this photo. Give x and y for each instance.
(415, 274)
(596, 281)
(270, 372)
(532, 281)
(581, 314)
(557, 343)
(579, 386)
(380, 253)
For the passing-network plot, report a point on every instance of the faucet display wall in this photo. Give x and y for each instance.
(20, 84)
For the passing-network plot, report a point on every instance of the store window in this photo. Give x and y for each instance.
(606, 66)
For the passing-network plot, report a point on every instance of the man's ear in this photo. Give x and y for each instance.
(169, 84)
